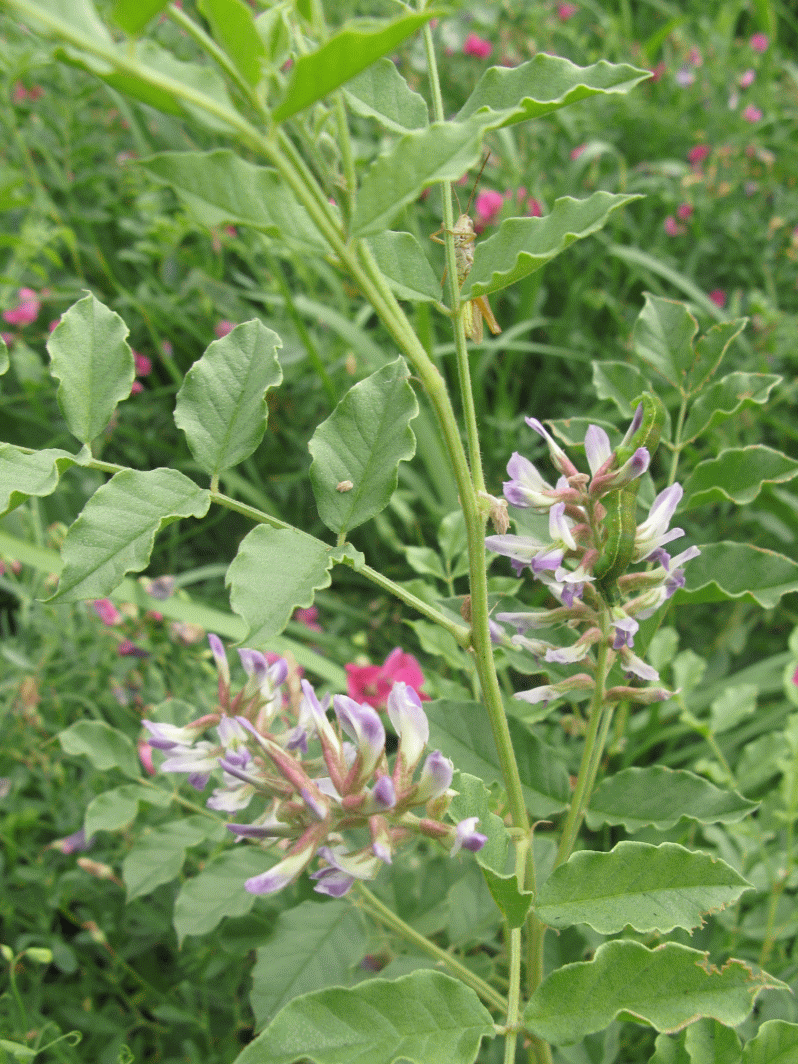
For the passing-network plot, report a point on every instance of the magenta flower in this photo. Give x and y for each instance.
(107, 612)
(672, 227)
(747, 78)
(533, 208)
(697, 154)
(684, 210)
(577, 151)
(372, 683)
(26, 311)
(143, 364)
(223, 327)
(752, 114)
(566, 11)
(477, 46)
(760, 42)
(718, 297)
(487, 206)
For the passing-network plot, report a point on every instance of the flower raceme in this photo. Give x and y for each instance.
(584, 513)
(314, 781)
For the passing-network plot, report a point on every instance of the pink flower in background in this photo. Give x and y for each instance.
(684, 210)
(309, 616)
(752, 114)
(533, 208)
(566, 11)
(795, 677)
(684, 77)
(658, 71)
(760, 42)
(107, 612)
(145, 756)
(136, 388)
(697, 154)
(718, 297)
(576, 152)
(747, 78)
(8, 338)
(477, 46)
(143, 364)
(672, 227)
(695, 58)
(223, 328)
(26, 311)
(487, 206)
(373, 683)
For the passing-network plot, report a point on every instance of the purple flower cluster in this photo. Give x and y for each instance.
(564, 563)
(316, 780)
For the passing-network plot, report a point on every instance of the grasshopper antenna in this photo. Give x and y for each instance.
(476, 182)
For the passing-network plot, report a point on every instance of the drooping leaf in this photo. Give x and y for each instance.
(344, 55)
(221, 405)
(380, 92)
(461, 731)
(233, 27)
(405, 266)
(275, 571)
(133, 15)
(524, 245)
(727, 397)
(473, 799)
(666, 988)
(218, 188)
(116, 530)
(37, 474)
(737, 474)
(426, 1017)
(739, 571)
(357, 450)
(442, 152)
(104, 746)
(776, 1042)
(649, 888)
(663, 338)
(544, 84)
(217, 891)
(313, 946)
(158, 855)
(93, 362)
(710, 349)
(118, 807)
(659, 797)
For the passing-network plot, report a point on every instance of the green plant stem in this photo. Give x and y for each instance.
(385, 916)
(677, 440)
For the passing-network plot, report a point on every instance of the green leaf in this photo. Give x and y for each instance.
(80, 16)
(544, 84)
(473, 799)
(663, 338)
(648, 888)
(89, 356)
(221, 405)
(313, 946)
(659, 797)
(275, 571)
(217, 891)
(116, 530)
(426, 1017)
(443, 152)
(618, 381)
(343, 56)
(726, 398)
(104, 746)
(24, 475)
(381, 92)
(158, 855)
(776, 1042)
(118, 807)
(710, 1042)
(233, 27)
(524, 245)
(737, 474)
(461, 731)
(739, 571)
(360, 446)
(218, 188)
(133, 15)
(710, 349)
(735, 704)
(406, 268)
(666, 988)
(4, 361)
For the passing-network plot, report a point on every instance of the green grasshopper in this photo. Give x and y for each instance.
(473, 310)
(621, 505)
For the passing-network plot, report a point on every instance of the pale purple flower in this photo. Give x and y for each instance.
(653, 532)
(597, 447)
(747, 78)
(760, 42)
(561, 461)
(635, 666)
(281, 874)
(684, 77)
(467, 837)
(752, 114)
(363, 725)
(220, 657)
(435, 777)
(625, 628)
(526, 487)
(344, 868)
(410, 723)
(384, 793)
